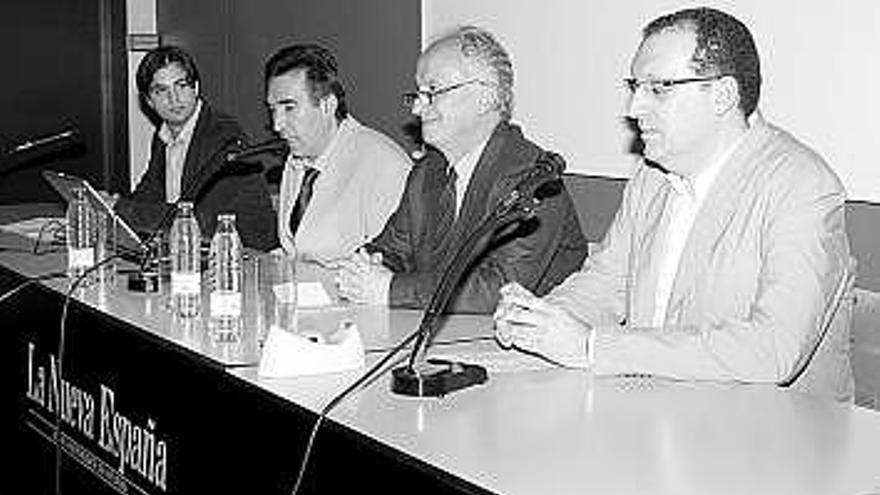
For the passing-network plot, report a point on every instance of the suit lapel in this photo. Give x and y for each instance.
(199, 146)
(493, 178)
(648, 255)
(158, 163)
(724, 199)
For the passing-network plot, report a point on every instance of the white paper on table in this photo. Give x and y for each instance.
(288, 354)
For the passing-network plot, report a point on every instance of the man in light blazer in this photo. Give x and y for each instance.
(728, 258)
(342, 179)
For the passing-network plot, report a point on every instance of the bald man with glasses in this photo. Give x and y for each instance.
(464, 103)
(728, 259)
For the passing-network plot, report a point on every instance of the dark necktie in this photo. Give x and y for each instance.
(302, 201)
(447, 214)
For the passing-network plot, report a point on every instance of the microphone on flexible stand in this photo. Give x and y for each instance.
(434, 377)
(146, 277)
(32, 148)
(64, 137)
(273, 146)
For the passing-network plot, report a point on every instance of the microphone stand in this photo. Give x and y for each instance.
(423, 377)
(409, 380)
(146, 277)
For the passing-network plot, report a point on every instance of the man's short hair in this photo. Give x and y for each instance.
(481, 46)
(724, 47)
(162, 57)
(321, 72)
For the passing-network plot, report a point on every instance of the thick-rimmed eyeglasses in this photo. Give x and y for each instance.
(662, 87)
(429, 96)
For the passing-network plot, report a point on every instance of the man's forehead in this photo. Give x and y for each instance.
(288, 86)
(442, 62)
(668, 53)
(169, 74)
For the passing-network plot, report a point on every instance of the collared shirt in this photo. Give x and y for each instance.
(176, 148)
(688, 195)
(464, 169)
(296, 165)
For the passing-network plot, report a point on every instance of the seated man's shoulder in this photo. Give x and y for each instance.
(220, 123)
(795, 163)
(368, 140)
(522, 150)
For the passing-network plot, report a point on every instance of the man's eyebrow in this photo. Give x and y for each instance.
(184, 79)
(284, 101)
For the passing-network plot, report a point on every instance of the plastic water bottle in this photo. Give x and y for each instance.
(82, 235)
(186, 278)
(226, 276)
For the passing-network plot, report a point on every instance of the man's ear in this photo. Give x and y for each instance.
(725, 95)
(328, 104)
(488, 100)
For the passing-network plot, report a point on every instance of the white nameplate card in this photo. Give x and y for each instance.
(288, 354)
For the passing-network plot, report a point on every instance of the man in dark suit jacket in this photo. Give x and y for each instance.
(464, 103)
(188, 150)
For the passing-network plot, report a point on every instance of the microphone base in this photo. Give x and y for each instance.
(147, 282)
(436, 378)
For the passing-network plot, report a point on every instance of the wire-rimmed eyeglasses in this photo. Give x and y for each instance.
(429, 96)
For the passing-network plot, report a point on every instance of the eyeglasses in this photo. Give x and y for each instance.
(662, 87)
(429, 96)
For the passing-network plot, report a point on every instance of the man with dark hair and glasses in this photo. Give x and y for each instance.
(728, 258)
(464, 102)
(342, 179)
(188, 150)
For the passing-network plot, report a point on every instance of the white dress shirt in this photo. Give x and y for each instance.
(688, 195)
(176, 148)
(464, 169)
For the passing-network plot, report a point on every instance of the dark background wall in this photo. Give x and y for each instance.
(64, 67)
(376, 44)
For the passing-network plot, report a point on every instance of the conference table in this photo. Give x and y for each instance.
(135, 400)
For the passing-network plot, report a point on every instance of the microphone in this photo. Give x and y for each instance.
(276, 146)
(29, 151)
(540, 182)
(434, 377)
(65, 137)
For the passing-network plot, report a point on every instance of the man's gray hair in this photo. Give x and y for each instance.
(480, 45)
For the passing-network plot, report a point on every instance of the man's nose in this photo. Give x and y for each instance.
(277, 122)
(175, 95)
(418, 107)
(639, 103)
